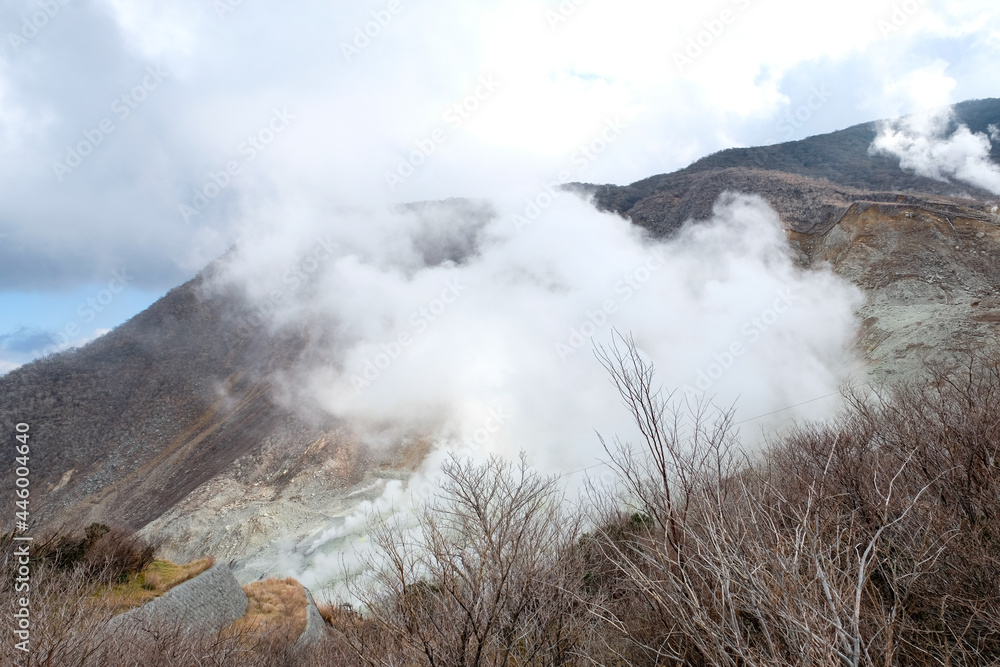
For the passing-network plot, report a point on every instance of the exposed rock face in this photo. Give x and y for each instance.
(259, 526)
(806, 205)
(207, 603)
(172, 422)
(315, 631)
(929, 264)
(184, 397)
(128, 426)
(931, 271)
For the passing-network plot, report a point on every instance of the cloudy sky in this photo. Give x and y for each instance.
(137, 139)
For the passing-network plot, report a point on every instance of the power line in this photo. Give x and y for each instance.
(768, 414)
(596, 465)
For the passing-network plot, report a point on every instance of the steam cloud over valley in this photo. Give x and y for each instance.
(453, 324)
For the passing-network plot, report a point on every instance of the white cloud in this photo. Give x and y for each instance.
(355, 120)
(926, 90)
(491, 351)
(160, 31)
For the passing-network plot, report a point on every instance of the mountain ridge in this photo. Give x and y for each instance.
(834, 161)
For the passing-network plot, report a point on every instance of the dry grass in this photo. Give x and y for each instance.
(70, 610)
(158, 578)
(276, 608)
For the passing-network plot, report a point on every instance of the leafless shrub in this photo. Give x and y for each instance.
(868, 541)
(70, 613)
(101, 551)
(873, 539)
(484, 577)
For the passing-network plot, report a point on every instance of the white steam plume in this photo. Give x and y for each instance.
(923, 144)
(454, 324)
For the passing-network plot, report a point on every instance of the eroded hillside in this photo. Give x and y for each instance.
(930, 268)
(175, 422)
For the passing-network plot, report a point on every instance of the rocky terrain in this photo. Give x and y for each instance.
(929, 267)
(170, 423)
(212, 600)
(927, 263)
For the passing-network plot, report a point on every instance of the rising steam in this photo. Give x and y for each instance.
(932, 145)
(463, 325)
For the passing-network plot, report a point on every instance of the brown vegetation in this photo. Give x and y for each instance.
(837, 163)
(485, 577)
(71, 605)
(100, 550)
(869, 540)
(156, 579)
(866, 541)
(276, 607)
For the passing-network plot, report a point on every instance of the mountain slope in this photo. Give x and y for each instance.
(174, 423)
(129, 425)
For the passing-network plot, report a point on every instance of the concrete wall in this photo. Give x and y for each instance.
(206, 603)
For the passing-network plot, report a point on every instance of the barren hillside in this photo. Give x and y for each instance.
(170, 421)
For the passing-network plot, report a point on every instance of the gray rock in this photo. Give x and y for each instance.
(315, 631)
(207, 603)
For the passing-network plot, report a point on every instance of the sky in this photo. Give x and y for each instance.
(139, 141)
